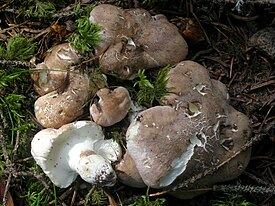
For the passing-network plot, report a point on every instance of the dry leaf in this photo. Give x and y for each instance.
(2, 190)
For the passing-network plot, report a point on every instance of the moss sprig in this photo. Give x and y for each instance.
(150, 91)
(40, 9)
(18, 48)
(86, 36)
(96, 196)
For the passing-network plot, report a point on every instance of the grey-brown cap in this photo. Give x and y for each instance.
(196, 131)
(56, 109)
(133, 39)
(112, 106)
(51, 74)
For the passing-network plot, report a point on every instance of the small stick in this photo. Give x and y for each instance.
(206, 36)
(231, 67)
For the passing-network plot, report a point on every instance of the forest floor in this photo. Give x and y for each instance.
(218, 36)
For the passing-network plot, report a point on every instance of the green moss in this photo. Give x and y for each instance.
(230, 199)
(18, 48)
(86, 36)
(40, 9)
(144, 200)
(96, 196)
(154, 90)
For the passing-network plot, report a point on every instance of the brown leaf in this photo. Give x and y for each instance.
(2, 190)
(112, 202)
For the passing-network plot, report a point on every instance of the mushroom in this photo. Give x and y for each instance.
(56, 109)
(128, 173)
(65, 89)
(195, 130)
(111, 107)
(51, 74)
(75, 149)
(132, 39)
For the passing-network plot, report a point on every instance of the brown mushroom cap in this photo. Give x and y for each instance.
(133, 39)
(112, 106)
(52, 73)
(56, 109)
(128, 173)
(196, 132)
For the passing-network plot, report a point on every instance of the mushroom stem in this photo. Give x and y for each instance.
(91, 167)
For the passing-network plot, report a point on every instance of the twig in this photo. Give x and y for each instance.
(264, 120)
(231, 67)
(46, 31)
(217, 60)
(15, 63)
(262, 84)
(205, 35)
(202, 52)
(232, 79)
(253, 177)
(16, 145)
(245, 188)
(8, 163)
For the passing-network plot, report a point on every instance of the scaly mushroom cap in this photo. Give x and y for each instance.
(112, 106)
(133, 39)
(56, 109)
(76, 148)
(196, 132)
(52, 73)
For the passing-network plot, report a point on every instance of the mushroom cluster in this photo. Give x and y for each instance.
(193, 130)
(63, 89)
(196, 129)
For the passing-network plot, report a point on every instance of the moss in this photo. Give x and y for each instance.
(18, 48)
(40, 9)
(154, 90)
(86, 36)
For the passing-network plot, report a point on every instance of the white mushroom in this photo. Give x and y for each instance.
(76, 148)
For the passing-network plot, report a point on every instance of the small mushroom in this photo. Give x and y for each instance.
(75, 149)
(51, 74)
(132, 39)
(111, 107)
(193, 132)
